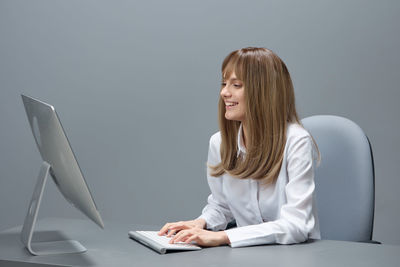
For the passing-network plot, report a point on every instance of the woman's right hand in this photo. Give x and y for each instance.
(171, 228)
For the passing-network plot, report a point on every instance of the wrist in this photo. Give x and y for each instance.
(224, 239)
(201, 223)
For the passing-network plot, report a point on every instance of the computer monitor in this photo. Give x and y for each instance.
(60, 163)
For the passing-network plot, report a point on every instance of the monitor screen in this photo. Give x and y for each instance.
(55, 149)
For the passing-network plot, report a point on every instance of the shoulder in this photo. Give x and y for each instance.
(214, 148)
(215, 139)
(297, 138)
(296, 131)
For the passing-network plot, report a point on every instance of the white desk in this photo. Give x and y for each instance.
(112, 247)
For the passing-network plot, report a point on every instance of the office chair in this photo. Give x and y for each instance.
(345, 179)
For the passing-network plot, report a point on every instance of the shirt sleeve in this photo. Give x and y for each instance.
(216, 213)
(296, 219)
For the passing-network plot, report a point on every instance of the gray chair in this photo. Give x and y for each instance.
(344, 179)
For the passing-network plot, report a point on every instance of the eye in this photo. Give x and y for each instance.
(236, 85)
(223, 84)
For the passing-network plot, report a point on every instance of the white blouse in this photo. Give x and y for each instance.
(283, 212)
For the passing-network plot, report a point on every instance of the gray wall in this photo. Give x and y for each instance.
(136, 84)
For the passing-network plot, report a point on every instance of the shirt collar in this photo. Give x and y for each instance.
(241, 148)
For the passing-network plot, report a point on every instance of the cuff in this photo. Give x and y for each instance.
(250, 235)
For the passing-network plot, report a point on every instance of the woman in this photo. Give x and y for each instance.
(260, 164)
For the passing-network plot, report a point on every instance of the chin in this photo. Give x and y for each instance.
(231, 118)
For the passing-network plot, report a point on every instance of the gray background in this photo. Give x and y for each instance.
(136, 84)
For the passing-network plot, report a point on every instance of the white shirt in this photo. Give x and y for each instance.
(283, 212)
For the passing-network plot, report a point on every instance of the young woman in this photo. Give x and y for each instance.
(260, 163)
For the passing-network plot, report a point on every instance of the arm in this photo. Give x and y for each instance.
(296, 216)
(216, 213)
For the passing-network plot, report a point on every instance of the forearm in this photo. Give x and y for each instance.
(215, 216)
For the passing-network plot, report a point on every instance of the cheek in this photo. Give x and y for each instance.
(241, 98)
(242, 103)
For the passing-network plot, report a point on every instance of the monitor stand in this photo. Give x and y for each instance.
(44, 248)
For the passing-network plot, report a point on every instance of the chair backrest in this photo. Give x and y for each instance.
(344, 179)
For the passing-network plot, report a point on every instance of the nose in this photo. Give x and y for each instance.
(225, 92)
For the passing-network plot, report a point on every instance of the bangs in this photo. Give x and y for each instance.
(233, 63)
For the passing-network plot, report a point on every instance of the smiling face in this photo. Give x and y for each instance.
(232, 93)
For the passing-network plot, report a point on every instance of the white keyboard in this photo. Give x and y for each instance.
(160, 243)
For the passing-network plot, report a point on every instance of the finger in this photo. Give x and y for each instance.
(181, 236)
(191, 238)
(164, 229)
(176, 227)
(173, 239)
(171, 232)
(179, 226)
(167, 227)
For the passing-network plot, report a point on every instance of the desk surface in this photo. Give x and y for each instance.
(112, 247)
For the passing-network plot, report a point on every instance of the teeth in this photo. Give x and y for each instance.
(231, 104)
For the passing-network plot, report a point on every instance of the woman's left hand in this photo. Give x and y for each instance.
(201, 237)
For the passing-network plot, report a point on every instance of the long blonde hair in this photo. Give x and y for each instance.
(270, 106)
